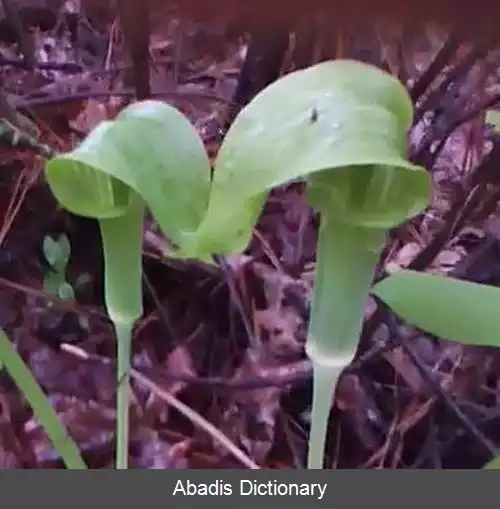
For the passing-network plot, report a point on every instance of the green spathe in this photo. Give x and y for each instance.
(342, 126)
(340, 115)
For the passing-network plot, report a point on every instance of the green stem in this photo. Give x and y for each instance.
(324, 384)
(124, 343)
(122, 243)
(346, 260)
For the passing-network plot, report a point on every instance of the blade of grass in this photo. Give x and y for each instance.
(42, 408)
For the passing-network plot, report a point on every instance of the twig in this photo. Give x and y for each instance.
(292, 374)
(69, 67)
(188, 412)
(33, 101)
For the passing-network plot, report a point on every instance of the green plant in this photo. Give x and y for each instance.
(340, 125)
(151, 155)
(57, 253)
(344, 117)
(11, 361)
(447, 307)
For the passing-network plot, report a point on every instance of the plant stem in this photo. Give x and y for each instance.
(122, 243)
(346, 260)
(324, 384)
(124, 343)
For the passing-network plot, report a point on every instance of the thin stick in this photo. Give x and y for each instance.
(188, 412)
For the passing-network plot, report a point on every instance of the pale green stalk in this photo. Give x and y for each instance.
(346, 260)
(122, 244)
(124, 342)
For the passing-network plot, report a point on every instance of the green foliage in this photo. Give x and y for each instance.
(150, 153)
(447, 307)
(342, 116)
(339, 125)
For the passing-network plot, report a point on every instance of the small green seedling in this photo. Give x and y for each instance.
(339, 125)
(57, 253)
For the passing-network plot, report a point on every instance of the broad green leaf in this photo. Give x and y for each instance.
(340, 115)
(150, 148)
(494, 464)
(447, 307)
